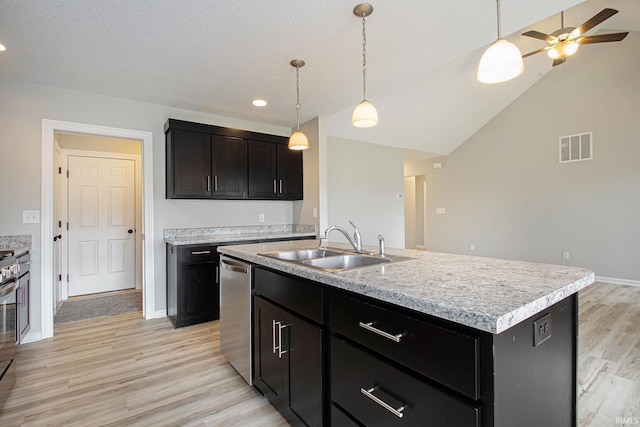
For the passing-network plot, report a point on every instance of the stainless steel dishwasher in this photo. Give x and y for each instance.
(235, 315)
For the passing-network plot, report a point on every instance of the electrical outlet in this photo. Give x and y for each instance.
(261, 217)
(441, 211)
(315, 212)
(472, 248)
(565, 255)
(541, 329)
(30, 217)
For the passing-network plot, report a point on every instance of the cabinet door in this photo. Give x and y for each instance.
(289, 173)
(303, 376)
(229, 167)
(268, 363)
(191, 164)
(198, 293)
(262, 170)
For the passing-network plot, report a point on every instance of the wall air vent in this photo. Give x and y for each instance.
(576, 147)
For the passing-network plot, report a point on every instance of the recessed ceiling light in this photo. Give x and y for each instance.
(2, 48)
(259, 102)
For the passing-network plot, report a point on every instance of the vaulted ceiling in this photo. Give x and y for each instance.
(217, 56)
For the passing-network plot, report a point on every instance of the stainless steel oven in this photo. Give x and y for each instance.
(9, 273)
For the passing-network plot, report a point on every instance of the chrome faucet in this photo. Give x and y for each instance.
(381, 244)
(356, 241)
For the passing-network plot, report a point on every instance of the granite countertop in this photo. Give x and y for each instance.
(488, 294)
(19, 244)
(195, 236)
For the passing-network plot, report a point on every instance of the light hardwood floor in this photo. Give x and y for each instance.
(126, 371)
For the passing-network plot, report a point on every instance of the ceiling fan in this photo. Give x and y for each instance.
(565, 42)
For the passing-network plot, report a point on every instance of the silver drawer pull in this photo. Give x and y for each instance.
(369, 393)
(200, 252)
(369, 327)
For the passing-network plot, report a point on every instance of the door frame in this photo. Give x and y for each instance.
(49, 127)
(69, 152)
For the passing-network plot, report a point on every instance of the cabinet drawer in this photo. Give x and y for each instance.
(362, 384)
(444, 355)
(190, 253)
(297, 295)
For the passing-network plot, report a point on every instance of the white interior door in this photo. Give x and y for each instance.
(101, 224)
(57, 227)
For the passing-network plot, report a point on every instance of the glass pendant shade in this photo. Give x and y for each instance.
(298, 141)
(365, 115)
(502, 61)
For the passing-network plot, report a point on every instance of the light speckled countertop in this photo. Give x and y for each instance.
(488, 294)
(196, 236)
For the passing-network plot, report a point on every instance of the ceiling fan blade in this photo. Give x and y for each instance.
(542, 49)
(540, 36)
(558, 61)
(603, 38)
(595, 20)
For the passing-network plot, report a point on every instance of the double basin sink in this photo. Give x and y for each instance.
(333, 260)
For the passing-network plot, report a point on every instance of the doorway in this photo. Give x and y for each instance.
(415, 212)
(48, 224)
(101, 212)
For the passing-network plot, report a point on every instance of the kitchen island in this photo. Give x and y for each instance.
(442, 339)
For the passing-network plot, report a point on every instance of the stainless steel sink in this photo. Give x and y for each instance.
(345, 262)
(304, 254)
(332, 260)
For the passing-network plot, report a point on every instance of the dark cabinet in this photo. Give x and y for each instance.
(212, 162)
(22, 299)
(201, 165)
(229, 167)
(288, 354)
(193, 288)
(275, 172)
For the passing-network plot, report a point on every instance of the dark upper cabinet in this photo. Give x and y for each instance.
(275, 172)
(211, 162)
(289, 167)
(229, 167)
(190, 170)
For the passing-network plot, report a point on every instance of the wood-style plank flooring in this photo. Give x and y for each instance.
(126, 371)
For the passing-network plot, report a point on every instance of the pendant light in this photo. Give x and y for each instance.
(365, 114)
(298, 140)
(502, 61)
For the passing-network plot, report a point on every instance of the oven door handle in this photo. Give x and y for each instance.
(9, 286)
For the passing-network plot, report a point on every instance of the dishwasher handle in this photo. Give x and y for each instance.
(236, 267)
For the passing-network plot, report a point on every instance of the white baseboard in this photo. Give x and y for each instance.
(616, 281)
(160, 313)
(32, 337)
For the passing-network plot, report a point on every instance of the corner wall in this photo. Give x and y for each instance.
(363, 181)
(505, 191)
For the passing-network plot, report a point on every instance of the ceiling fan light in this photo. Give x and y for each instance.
(365, 115)
(298, 141)
(502, 61)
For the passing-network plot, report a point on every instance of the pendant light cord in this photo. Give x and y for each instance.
(364, 59)
(499, 21)
(298, 97)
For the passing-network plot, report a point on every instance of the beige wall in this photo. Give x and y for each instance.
(505, 191)
(303, 209)
(363, 182)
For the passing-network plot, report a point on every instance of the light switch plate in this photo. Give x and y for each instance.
(30, 217)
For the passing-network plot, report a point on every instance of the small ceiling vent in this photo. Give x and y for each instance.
(574, 148)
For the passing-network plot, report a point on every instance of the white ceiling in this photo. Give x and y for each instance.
(216, 56)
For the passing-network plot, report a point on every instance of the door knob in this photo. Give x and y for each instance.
(129, 231)
(58, 237)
